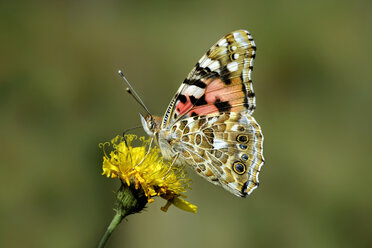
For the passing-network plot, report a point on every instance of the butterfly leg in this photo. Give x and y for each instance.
(170, 167)
(148, 151)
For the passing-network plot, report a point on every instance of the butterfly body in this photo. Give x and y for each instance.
(208, 124)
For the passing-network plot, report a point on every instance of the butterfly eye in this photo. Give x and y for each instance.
(151, 124)
(239, 167)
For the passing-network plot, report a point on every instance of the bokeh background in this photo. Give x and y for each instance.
(60, 95)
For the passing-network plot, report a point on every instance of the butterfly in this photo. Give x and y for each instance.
(208, 124)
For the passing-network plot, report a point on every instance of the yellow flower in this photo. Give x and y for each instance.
(143, 168)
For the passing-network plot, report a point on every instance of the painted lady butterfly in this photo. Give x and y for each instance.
(208, 125)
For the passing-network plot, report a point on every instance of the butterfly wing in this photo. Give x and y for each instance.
(225, 149)
(209, 123)
(219, 82)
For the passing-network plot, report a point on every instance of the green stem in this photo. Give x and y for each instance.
(129, 201)
(114, 223)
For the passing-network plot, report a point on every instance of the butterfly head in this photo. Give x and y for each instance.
(150, 124)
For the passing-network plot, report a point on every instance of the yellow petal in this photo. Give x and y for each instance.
(184, 205)
(108, 168)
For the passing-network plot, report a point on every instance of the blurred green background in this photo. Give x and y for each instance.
(60, 95)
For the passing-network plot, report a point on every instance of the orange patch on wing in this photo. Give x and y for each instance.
(182, 108)
(217, 90)
(206, 109)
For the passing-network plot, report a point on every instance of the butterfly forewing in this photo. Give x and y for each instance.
(219, 82)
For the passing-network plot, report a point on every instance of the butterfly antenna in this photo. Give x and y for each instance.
(133, 93)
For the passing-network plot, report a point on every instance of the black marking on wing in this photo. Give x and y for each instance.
(244, 188)
(244, 89)
(198, 102)
(182, 98)
(195, 82)
(251, 94)
(225, 75)
(205, 72)
(193, 100)
(222, 106)
(199, 83)
(166, 115)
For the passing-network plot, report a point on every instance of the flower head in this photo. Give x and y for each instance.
(143, 168)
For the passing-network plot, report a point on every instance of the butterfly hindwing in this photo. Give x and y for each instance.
(220, 82)
(225, 149)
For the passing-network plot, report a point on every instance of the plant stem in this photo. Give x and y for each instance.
(129, 201)
(114, 223)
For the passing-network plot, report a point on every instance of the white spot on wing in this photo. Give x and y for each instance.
(240, 39)
(244, 120)
(235, 128)
(193, 90)
(202, 59)
(205, 62)
(212, 120)
(214, 65)
(219, 144)
(222, 42)
(233, 66)
(245, 75)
